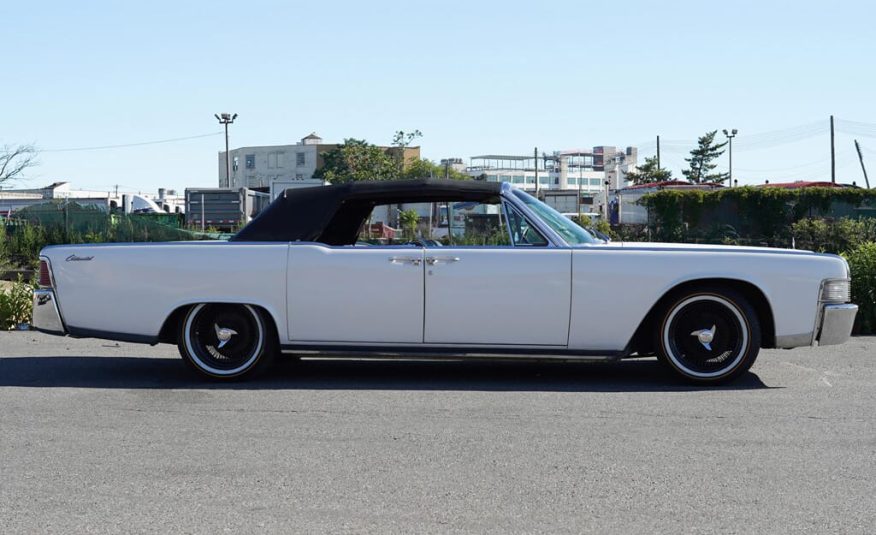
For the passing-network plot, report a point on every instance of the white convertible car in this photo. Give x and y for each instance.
(484, 271)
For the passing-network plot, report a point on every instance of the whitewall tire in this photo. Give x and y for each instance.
(709, 336)
(226, 341)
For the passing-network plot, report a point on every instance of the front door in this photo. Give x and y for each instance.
(497, 295)
(355, 294)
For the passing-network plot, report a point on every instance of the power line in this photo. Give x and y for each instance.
(856, 128)
(140, 144)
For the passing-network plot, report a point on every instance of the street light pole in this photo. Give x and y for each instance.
(226, 119)
(730, 135)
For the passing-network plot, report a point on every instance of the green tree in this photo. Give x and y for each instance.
(649, 172)
(356, 160)
(408, 220)
(423, 168)
(401, 140)
(701, 159)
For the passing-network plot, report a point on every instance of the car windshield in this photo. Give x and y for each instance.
(566, 228)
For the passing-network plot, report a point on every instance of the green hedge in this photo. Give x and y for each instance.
(756, 213)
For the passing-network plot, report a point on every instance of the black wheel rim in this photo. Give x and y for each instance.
(237, 349)
(707, 337)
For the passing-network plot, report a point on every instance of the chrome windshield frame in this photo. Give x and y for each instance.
(553, 238)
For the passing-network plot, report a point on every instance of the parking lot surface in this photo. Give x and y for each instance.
(103, 437)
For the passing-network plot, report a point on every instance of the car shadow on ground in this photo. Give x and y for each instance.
(640, 375)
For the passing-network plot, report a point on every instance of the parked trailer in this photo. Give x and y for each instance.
(225, 209)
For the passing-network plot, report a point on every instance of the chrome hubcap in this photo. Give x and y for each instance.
(705, 336)
(223, 334)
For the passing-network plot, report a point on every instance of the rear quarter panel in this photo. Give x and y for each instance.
(613, 288)
(133, 288)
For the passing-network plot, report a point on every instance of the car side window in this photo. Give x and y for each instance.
(522, 233)
(436, 224)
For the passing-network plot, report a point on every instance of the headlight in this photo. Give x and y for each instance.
(835, 291)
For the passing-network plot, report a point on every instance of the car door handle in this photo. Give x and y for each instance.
(405, 260)
(432, 260)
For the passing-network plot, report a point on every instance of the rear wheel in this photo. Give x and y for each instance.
(226, 341)
(709, 336)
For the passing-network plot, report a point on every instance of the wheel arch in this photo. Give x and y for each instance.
(642, 339)
(169, 332)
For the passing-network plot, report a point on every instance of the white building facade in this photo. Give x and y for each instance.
(584, 169)
(262, 166)
(575, 180)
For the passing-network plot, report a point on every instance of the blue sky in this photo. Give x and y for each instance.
(474, 77)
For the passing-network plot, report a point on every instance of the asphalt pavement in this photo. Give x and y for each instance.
(103, 437)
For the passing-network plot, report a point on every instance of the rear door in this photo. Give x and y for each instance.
(355, 294)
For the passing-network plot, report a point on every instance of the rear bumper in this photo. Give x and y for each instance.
(46, 316)
(836, 324)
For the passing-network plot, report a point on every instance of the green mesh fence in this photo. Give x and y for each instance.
(30, 229)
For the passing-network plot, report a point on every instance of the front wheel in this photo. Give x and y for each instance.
(226, 341)
(709, 336)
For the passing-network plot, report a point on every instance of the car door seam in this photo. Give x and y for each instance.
(571, 297)
(423, 264)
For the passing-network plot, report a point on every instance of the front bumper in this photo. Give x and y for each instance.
(46, 316)
(836, 324)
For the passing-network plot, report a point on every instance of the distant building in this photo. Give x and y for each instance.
(291, 165)
(166, 200)
(562, 175)
(801, 184)
(559, 170)
(456, 164)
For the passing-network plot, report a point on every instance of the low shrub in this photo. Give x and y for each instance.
(862, 262)
(833, 236)
(16, 304)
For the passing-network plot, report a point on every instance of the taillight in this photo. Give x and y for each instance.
(45, 276)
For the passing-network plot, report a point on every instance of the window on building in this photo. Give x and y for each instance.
(235, 162)
(518, 179)
(492, 178)
(250, 161)
(530, 179)
(299, 159)
(573, 181)
(595, 181)
(275, 160)
(544, 179)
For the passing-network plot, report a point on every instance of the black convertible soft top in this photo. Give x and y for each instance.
(334, 214)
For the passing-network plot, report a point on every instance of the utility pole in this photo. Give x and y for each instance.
(832, 154)
(658, 153)
(226, 119)
(730, 135)
(535, 156)
(580, 179)
(861, 158)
